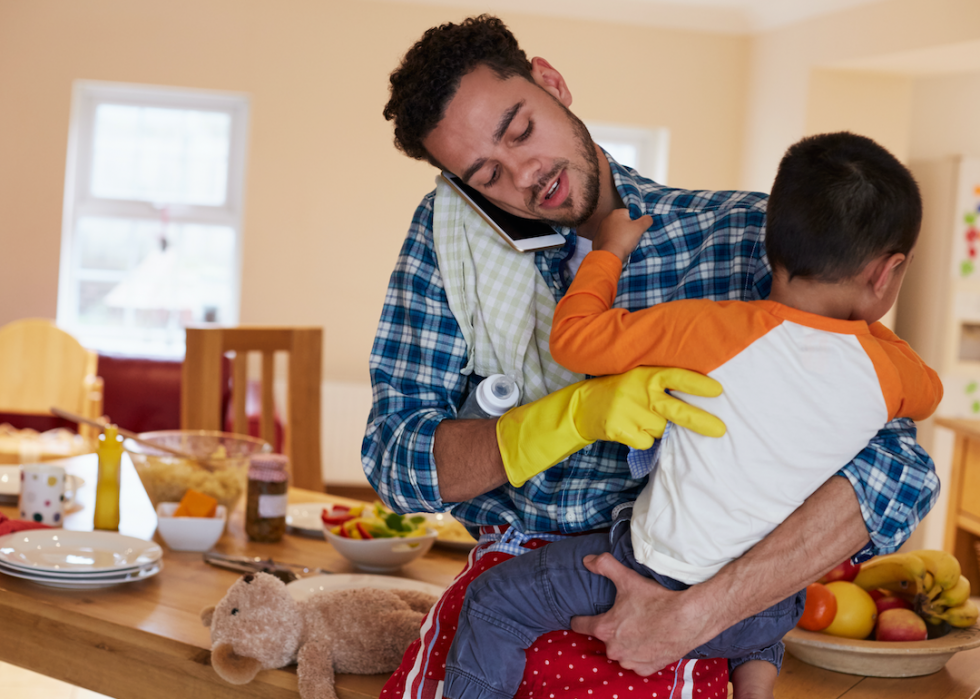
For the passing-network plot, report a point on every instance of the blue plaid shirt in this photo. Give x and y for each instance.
(701, 245)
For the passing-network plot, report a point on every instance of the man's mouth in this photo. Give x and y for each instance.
(550, 193)
(556, 193)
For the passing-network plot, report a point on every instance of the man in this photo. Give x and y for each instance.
(467, 100)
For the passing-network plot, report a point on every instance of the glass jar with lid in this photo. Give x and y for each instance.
(265, 509)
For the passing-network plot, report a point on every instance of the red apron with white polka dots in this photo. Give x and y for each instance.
(560, 664)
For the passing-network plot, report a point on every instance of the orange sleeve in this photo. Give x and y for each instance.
(911, 388)
(591, 337)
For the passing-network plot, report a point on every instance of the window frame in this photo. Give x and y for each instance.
(79, 203)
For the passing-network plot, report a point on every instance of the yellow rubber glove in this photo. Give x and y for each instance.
(631, 408)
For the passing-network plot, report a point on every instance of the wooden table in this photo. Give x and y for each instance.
(145, 640)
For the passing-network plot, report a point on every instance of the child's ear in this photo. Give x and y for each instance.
(881, 272)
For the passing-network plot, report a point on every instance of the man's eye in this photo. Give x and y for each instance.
(527, 132)
(493, 178)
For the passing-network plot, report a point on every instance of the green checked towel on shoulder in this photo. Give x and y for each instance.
(502, 304)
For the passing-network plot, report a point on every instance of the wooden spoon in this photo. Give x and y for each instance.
(135, 437)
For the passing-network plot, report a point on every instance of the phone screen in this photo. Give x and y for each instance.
(516, 228)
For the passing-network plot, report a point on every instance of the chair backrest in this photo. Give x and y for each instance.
(201, 388)
(43, 366)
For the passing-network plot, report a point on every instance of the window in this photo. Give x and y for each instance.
(644, 150)
(151, 238)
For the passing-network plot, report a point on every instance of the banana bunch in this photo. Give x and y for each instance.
(931, 580)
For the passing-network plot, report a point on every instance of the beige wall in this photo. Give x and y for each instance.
(784, 61)
(328, 199)
(945, 117)
(874, 104)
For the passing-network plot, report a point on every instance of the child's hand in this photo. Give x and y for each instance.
(619, 234)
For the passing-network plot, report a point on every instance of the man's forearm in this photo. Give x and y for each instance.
(825, 530)
(467, 458)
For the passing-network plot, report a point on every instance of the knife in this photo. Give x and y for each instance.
(287, 572)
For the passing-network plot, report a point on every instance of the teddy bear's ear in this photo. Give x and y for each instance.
(206, 615)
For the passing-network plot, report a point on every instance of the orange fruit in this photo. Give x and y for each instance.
(856, 611)
(820, 609)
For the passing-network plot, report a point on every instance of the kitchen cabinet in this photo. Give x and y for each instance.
(962, 536)
(938, 310)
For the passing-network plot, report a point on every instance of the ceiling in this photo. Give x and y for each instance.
(723, 16)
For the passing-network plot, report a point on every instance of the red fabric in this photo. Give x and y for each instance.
(253, 411)
(560, 665)
(39, 423)
(10, 526)
(141, 394)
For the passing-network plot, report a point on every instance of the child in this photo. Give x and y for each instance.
(809, 376)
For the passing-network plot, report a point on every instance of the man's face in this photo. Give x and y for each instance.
(515, 143)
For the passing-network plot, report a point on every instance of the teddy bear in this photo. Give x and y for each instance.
(258, 625)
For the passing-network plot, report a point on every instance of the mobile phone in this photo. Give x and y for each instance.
(522, 234)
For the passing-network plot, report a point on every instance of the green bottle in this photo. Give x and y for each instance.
(107, 489)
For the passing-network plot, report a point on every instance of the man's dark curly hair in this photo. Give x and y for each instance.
(429, 75)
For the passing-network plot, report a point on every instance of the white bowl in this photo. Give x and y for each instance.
(381, 555)
(189, 533)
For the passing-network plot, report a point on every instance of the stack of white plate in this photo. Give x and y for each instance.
(70, 559)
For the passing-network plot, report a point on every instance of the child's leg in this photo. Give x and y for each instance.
(512, 604)
(755, 679)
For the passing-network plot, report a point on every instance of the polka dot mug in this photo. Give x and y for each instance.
(42, 493)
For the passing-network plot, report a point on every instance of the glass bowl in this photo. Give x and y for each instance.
(166, 477)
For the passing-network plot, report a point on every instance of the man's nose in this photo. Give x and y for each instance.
(527, 172)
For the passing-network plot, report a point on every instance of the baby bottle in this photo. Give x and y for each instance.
(492, 397)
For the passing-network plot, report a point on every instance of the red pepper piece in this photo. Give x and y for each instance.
(363, 531)
(337, 515)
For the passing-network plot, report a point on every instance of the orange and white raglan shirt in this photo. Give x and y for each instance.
(803, 394)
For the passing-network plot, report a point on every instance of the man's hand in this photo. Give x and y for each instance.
(626, 628)
(619, 234)
(650, 627)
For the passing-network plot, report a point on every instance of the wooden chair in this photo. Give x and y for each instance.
(201, 388)
(42, 366)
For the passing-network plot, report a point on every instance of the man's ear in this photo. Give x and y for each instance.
(880, 271)
(550, 80)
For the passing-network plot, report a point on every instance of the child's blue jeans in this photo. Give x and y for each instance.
(513, 603)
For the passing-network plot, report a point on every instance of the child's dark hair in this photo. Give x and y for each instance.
(839, 200)
(428, 77)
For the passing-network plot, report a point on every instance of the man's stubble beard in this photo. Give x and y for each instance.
(589, 193)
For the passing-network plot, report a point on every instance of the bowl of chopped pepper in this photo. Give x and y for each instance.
(374, 538)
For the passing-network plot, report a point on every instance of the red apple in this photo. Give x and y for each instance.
(892, 602)
(845, 571)
(900, 625)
